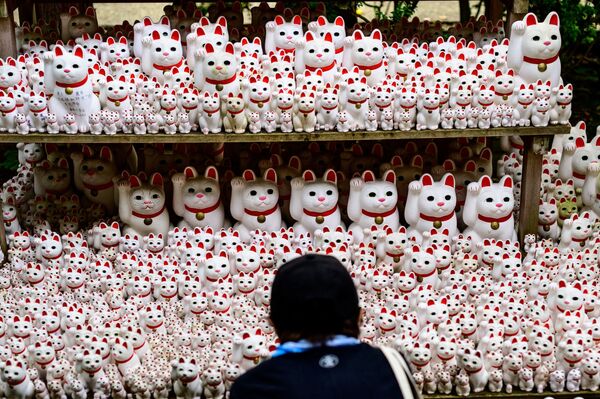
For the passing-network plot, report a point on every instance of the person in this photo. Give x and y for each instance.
(316, 315)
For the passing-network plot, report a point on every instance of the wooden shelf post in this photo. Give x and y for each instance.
(8, 44)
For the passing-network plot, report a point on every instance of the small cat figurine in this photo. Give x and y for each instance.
(254, 124)
(561, 104)
(430, 205)
(367, 53)
(21, 123)
(114, 95)
(70, 124)
(327, 105)
(254, 203)
(314, 203)
(115, 50)
(10, 74)
(74, 24)
(210, 117)
(282, 35)
(488, 210)
(66, 76)
(142, 206)
(8, 112)
(52, 126)
(161, 54)
(372, 203)
(235, 119)
(305, 117)
(197, 199)
(428, 116)
(534, 48)
(354, 100)
(38, 111)
(145, 28)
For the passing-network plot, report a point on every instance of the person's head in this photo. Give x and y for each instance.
(313, 298)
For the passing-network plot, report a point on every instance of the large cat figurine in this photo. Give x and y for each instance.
(534, 48)
(197, 199)
(142, 206)
(74, 24)
(216, 70)
(161, 53)
(94, 176)
(254, 203)
(430, 205)
(282, 36)
(337, 29)
(145, 28)
(54, 179)
(314, 202)
(315, 52)
(66, 77)
(10, 75)
(366, 53)
(488, 210)
(216, 34)
(373, 203)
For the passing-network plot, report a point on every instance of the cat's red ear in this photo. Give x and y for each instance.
(331, 176)
(229, 48)
(530, 19)
(165, 21)
(175, 35)
(553, 19)
(507, 181)
(134, 181)
(297, 20)
(449, 180)
(426, 180)
(279, 20)
(368, 176)
(486, 181)
(376, 35)
(271, 175)
(156, 179)
(309, 36)
(155, 35)
(211, 173)
(390, 176)
(328, 37)
(309, 176)
(249, 175)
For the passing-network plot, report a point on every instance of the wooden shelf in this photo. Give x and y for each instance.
(280, 137)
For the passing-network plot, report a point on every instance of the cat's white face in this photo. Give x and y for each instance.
(69, 67)
(525, 94)
(505, 82)
(116, 49)
(37, 101)
(541, 39)
(367, 50)
(431, 98)
(261, 194)
(10, 73)
(485, 95)
(565, 94)
(408, 97)
(495, 199)
(201, 191)
(307, 101)
(286, 33)
(147, 198)
(117, 88)
(379, 195)
(211, 102)
(319, 51)
(337, 29)
(582, 226)
(568, 297)
(259, 88)
(357, 90)
(179, 77)
(436, 312)
(235, 103)
(320, 195)
(166, 50)
(548, 212)
(284, 82)
(7, 102)
(219, 64)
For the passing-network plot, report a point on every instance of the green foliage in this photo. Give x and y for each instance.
(578, 19)
(9, 160)
(402, 9)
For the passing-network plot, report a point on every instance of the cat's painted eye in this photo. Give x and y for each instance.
(553, 37)
(281, 33)
(253, 192)
(158, 49)
(536, 38)
(270, 191)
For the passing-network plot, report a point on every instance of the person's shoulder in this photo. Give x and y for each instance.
(263, 381)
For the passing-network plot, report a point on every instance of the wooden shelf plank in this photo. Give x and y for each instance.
(280, 137)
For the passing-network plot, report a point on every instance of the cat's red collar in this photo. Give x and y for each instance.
(235, 112)
(261, 101)
(307, 111)
(204, 210)
(485, 104)
(492, 220)
(12, 384)
(117, 100)
(323, 214)
(9, 111)
(266, 212)
(210, 112)
(221, 82)
(538, 61)
(324, 68)
(168, 109)
(463, 105)
(190, 108)
(563, 104)
(285, 108)
(329, 109)
(37, 111)
(431, 108)
(525, 104)
(369, 67)
(149, 216)
(383, 106)
(405, 107)
(165, 68)
(357, 102)
(72, 85)
(376, 214)
(436, 218)
(9, 220)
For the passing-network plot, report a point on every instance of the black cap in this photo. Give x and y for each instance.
(314, 297)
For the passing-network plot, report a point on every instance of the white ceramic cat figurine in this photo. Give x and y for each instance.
(305, 117)
(488, 210)
(281, 35)
(38, 111)
(337, 29)
(430, 205)
(354, 98)
(235, 120)
(8, 111)
(373, 203)
(317, 52)
(314, 202)
(197, 199)
(210, 117)
(254, 203)
(428, 116)
(66, 76)
(142, 206)
(561, 104)
(114, 95)
(145, 28)
(216, 70)
(367, 53)
(161, 54)
(74, 24)
(534, 48)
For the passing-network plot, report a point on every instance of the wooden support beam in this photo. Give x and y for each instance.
(8, 44)
(530, 185)
(519, 9)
